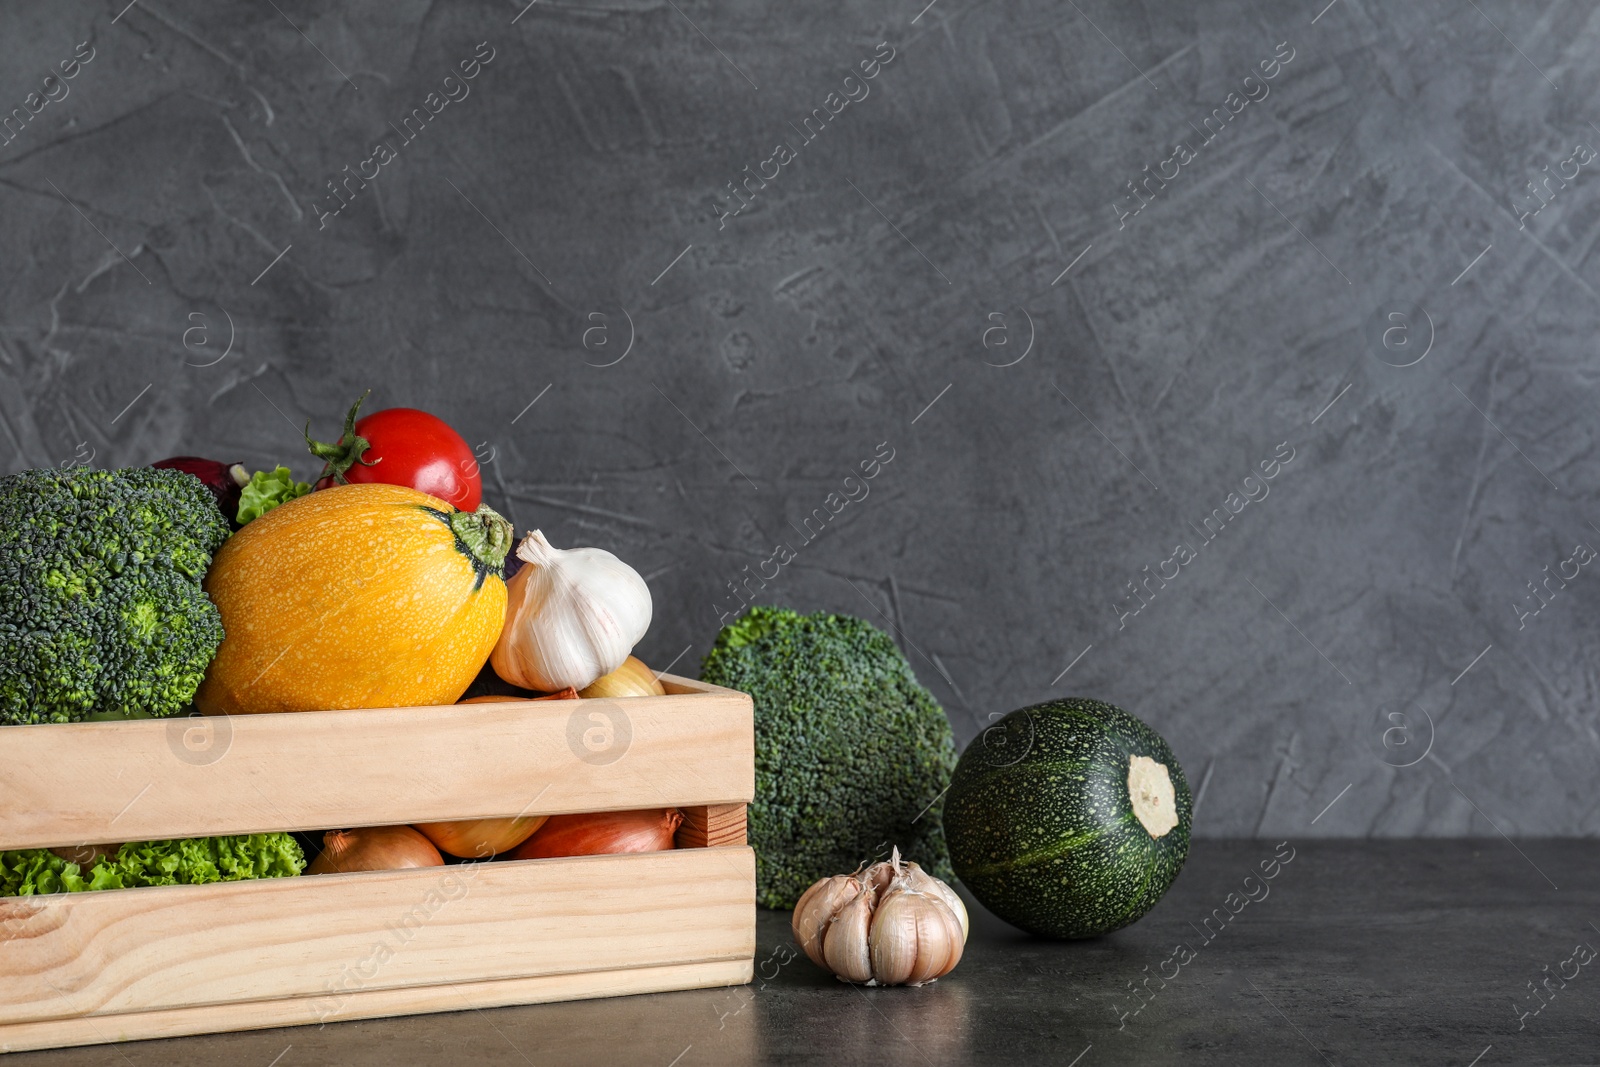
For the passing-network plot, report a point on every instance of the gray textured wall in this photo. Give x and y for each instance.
(985, 174)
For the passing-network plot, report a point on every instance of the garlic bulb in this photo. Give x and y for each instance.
(891, 924)
(571, 616)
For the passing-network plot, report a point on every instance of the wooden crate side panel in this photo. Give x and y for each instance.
(674, 683)
(371, 1004)
(711, 825)
(328, 938)
(319, 770)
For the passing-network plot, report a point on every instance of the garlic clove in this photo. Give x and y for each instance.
(845, 949)
(896, 941)
(816, 909)
(954, 941)
(924, 882)
(878, 878)
(916, 938)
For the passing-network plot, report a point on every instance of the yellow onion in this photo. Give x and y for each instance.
(374, 848)
(568, 693)
(601, 833)
(480, 838)
(632, 679)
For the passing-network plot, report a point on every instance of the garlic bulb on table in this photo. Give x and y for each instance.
(890, 924)
(571, 616)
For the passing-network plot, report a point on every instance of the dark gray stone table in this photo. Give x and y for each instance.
(1359, 953)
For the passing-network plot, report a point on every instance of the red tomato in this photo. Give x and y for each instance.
(404, 446)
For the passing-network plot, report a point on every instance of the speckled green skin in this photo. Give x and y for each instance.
(1041, 828)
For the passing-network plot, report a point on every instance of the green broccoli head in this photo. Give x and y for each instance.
(101, 609)
(852, 755)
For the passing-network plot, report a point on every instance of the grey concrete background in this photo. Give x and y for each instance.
(1312, 655)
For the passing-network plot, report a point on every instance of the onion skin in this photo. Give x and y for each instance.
(479, 839)
(568, 693)
(225, 480)
(602, 833)
(374, 848)
(632, 679)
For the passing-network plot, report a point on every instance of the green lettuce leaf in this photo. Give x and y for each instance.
(187, 861)
(268, 489)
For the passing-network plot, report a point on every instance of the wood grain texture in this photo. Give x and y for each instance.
(711, 825)
(335, 941)
(322, 770)
(372, 1004)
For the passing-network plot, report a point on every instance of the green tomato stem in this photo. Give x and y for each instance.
(350, 449)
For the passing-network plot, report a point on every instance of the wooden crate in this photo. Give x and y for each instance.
(86, 968)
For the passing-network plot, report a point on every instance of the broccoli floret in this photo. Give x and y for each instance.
(101, 609)
(852, 755)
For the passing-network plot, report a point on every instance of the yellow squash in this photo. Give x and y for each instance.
(358, 596)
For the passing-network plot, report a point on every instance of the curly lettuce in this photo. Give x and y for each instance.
(266, 490)
(187, 861)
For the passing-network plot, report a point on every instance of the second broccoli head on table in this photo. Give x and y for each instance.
(101, 606)
(852, 754)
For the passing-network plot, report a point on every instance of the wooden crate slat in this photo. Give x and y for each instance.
(372, 1004)
(324, 939)
(312, 770)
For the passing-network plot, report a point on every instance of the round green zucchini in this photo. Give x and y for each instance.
(1068, 819)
